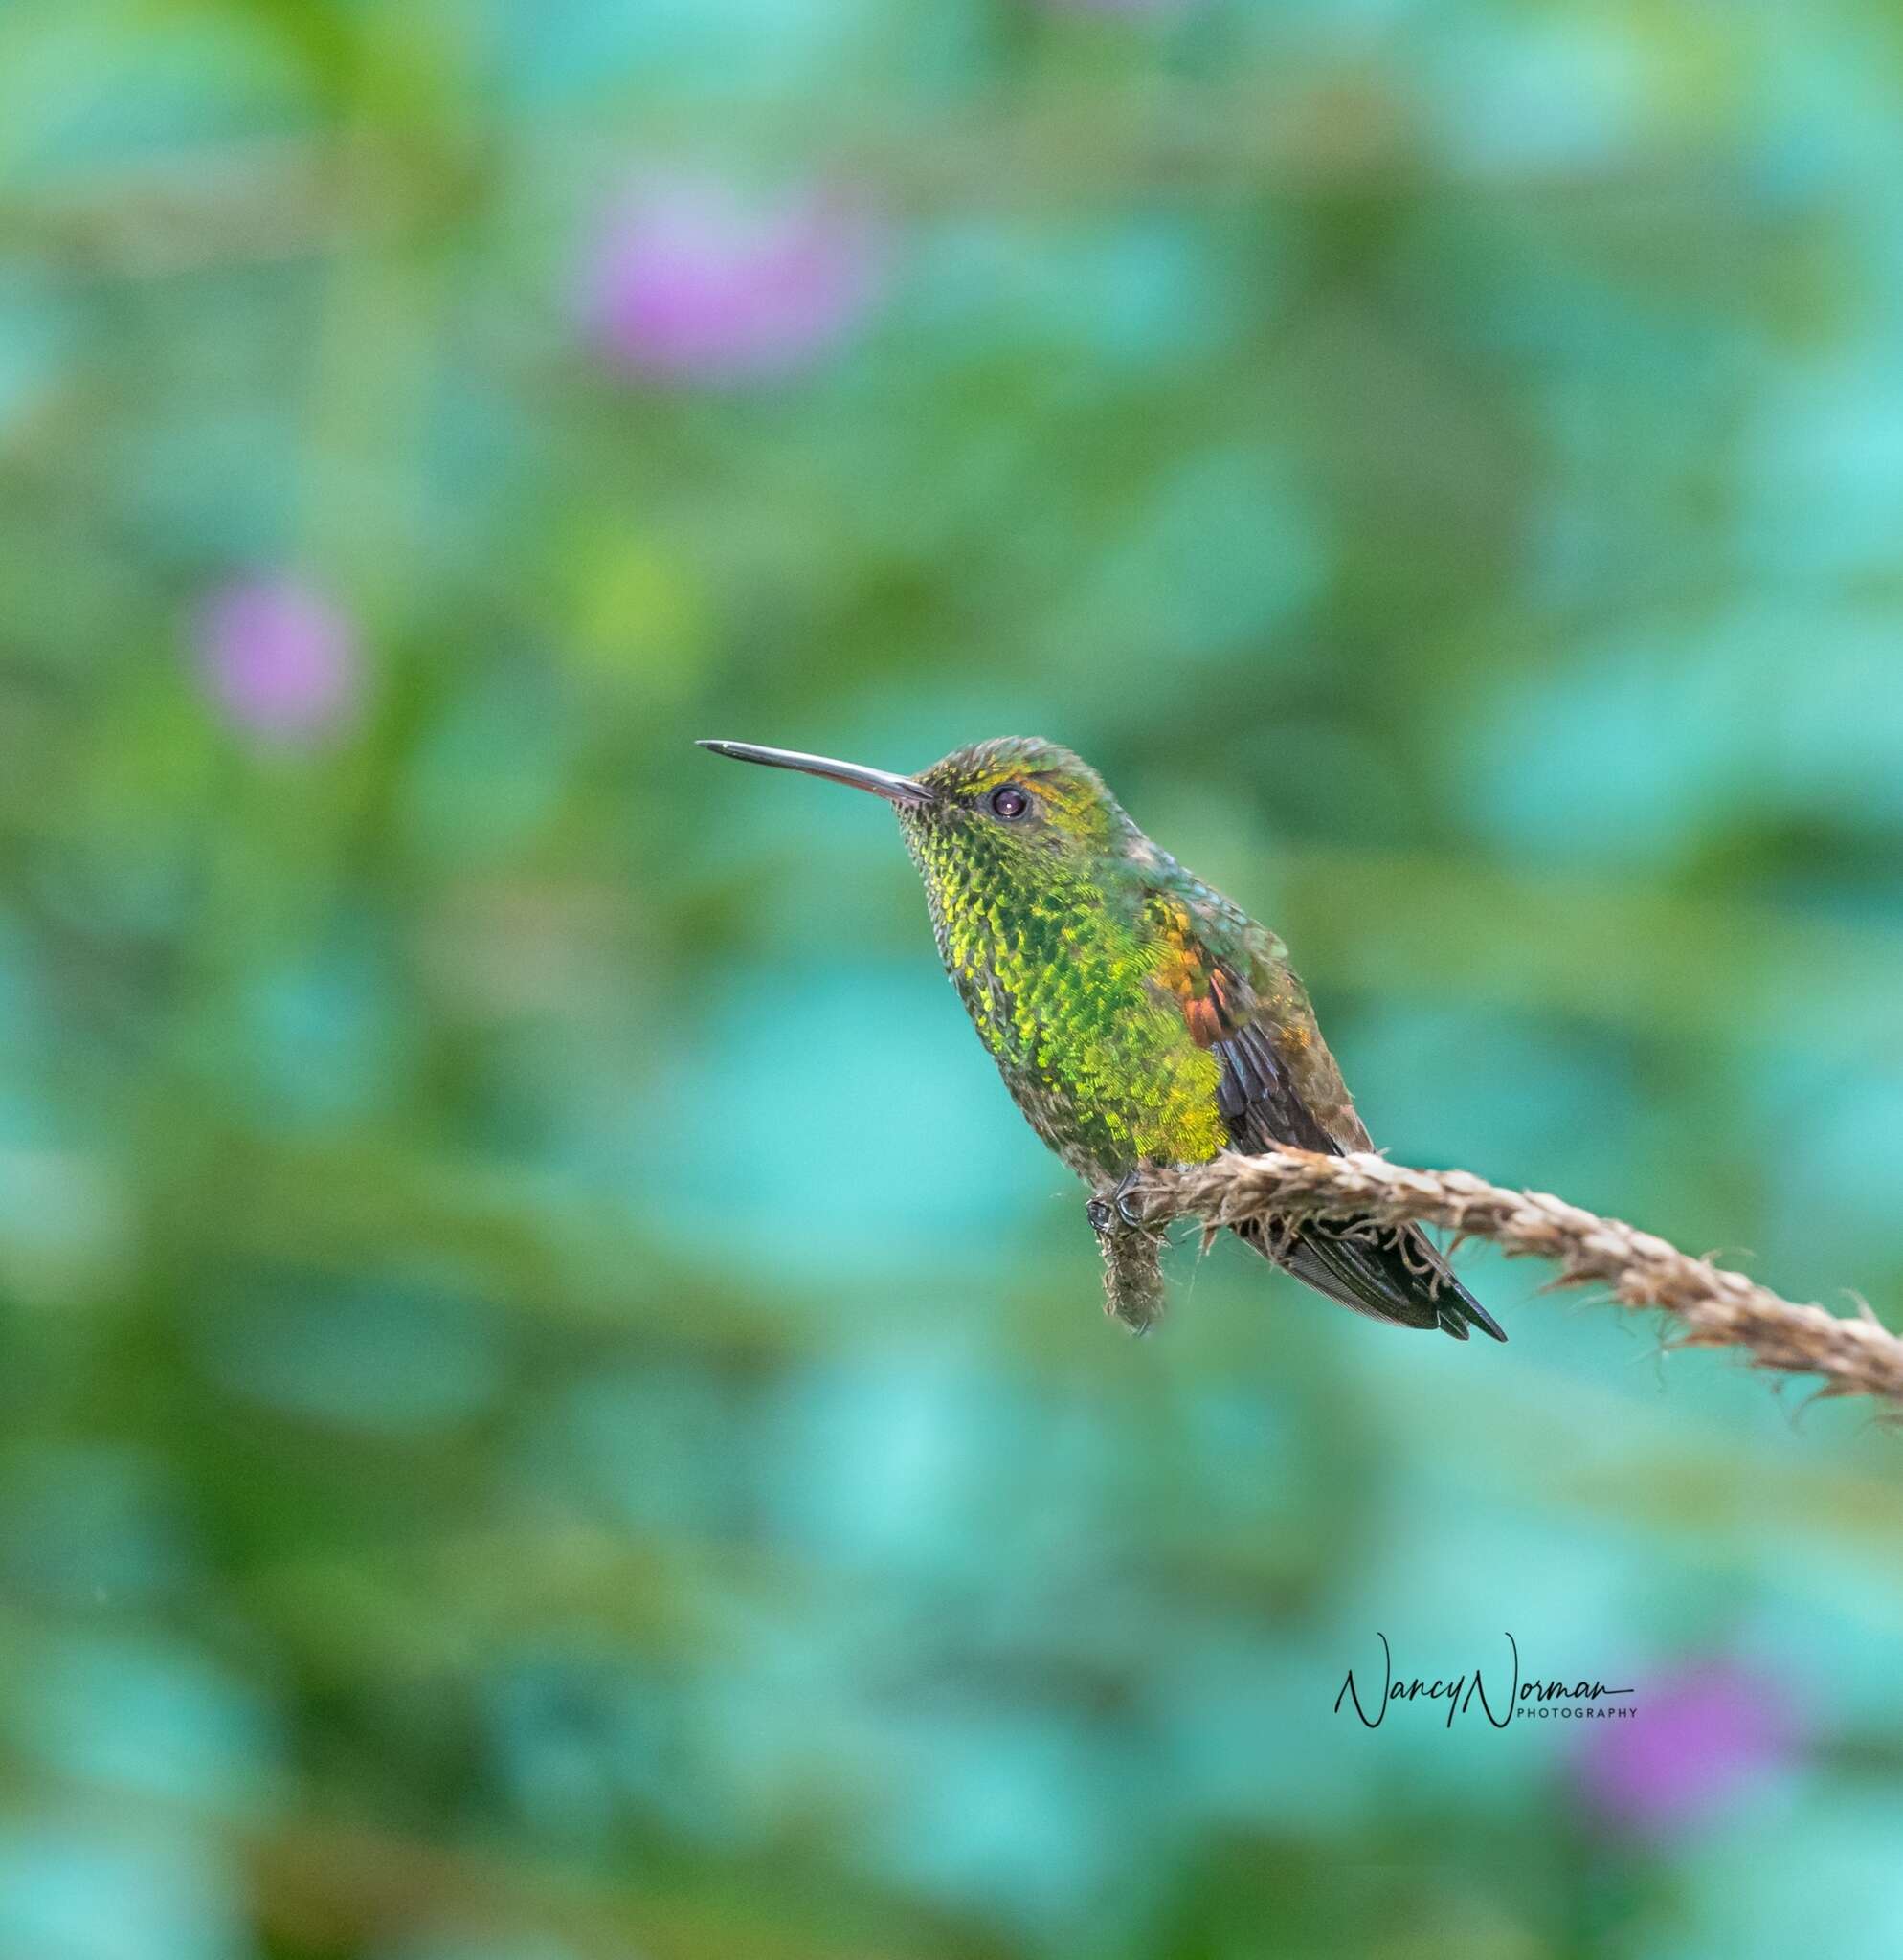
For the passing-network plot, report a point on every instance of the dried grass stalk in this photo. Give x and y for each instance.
(1712, 1306)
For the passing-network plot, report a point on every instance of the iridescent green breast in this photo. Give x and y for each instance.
(1059, 983)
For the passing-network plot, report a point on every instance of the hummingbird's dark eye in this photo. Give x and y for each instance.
(1010, 802)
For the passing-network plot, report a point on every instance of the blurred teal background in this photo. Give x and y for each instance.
(550, 1407)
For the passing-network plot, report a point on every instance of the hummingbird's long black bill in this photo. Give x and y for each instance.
(855, 775)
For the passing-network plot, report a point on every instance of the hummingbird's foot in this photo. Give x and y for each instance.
(1121, 1199)
(1116, 1205)
(1132, 1259)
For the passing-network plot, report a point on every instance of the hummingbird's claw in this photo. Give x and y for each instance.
(1121, 1199)
(1116, 1204)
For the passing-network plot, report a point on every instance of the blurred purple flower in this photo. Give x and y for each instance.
(690, 282)
(1703, 1734)
(280, 659)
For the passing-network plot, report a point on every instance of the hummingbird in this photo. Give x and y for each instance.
(1138, 1016)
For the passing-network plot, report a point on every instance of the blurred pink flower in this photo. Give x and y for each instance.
(690, 282)
(1702, 1735)
(280, 659)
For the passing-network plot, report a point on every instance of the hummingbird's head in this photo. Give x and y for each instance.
(1018, 803)
(1017, 812)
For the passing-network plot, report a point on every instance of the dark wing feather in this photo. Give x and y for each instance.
(1280, 1086)
(1392, 1276)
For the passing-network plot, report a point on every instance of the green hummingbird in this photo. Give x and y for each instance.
(1137, 1015)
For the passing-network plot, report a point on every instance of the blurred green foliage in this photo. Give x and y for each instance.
(548, 1406)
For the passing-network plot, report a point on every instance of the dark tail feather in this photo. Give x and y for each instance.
(1399, 1276)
